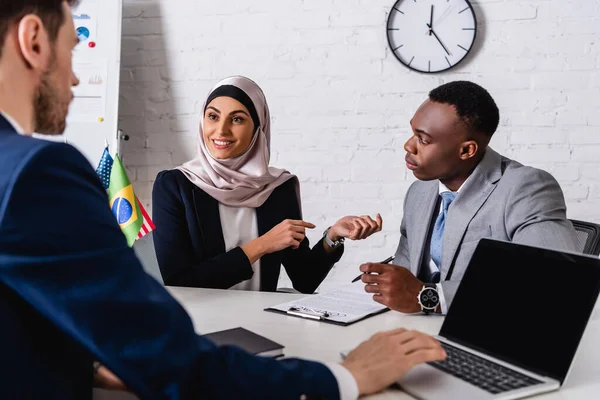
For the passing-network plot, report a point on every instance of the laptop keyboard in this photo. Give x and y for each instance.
(480, 372)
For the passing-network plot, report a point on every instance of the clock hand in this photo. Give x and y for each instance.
(431, 20)
(438, 39)
(444, 15)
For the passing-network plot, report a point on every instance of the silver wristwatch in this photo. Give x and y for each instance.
(429, 298)
(331, 243)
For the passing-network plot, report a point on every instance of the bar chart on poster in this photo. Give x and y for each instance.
(93, 115)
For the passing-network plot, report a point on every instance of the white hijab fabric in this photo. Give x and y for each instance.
(247, 180)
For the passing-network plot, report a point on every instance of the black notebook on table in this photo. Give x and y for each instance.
(248, 341)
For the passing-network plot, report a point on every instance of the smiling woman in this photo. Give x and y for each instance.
(227, 219)
(230, 120)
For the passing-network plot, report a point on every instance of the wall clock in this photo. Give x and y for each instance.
(431, 35)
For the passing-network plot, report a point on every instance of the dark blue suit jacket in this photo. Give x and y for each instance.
(72, 291)
(191, 250)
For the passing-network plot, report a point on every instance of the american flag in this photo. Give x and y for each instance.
(147, 224)
(105, 167)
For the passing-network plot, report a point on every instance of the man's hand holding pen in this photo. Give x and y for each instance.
(393, 286)
(386, 261)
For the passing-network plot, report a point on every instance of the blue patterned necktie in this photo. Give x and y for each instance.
(438, 233)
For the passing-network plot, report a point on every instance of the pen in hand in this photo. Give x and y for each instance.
(386, 261)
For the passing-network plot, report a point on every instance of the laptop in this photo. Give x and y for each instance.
(514, 326)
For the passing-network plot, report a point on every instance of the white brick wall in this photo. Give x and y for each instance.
(341, 102)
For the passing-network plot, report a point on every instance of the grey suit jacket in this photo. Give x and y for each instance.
(502, 200)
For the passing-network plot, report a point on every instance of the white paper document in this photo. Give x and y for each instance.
(89, 104)
(347, 304)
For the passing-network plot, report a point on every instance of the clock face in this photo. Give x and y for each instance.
(431, 35)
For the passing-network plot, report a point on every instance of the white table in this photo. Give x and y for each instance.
(213, 310)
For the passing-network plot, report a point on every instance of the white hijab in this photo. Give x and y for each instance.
(246, 180)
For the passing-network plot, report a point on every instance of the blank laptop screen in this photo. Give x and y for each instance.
(524, 305)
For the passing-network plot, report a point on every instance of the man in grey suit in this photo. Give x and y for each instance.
(465, 192)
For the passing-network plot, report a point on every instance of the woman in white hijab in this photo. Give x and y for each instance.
(226, 219)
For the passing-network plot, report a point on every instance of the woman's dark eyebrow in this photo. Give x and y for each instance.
(238, 111)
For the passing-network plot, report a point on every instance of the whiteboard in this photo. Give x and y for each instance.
(93, 115)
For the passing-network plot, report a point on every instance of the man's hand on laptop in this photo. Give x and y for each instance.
(393, 286)
(387, 356)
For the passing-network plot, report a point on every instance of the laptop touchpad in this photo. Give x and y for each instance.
(427, 382)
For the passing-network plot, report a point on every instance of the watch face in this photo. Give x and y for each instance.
(429, 298)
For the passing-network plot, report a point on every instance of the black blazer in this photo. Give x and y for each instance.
(191, 250)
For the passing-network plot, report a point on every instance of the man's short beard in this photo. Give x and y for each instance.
(47, 105)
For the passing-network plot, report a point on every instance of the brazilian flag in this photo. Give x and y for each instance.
(123, 202)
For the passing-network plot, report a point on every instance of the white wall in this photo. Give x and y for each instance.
(341, 102)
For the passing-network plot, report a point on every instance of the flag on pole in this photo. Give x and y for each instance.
(147, 224)
(105, 167)
(124, 203)
(127, 208)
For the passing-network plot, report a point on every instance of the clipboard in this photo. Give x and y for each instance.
(344, 306)
(325, 319)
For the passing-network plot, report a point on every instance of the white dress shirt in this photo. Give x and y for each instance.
(427, 256)
(14, 123)
(240, 226)
(346, 382)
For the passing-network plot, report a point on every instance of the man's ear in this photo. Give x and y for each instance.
(33, 42)
(468, 150)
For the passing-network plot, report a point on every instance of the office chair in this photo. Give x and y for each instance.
(144, 249)
(588, 237)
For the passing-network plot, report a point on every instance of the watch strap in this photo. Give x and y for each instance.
(330, 242)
